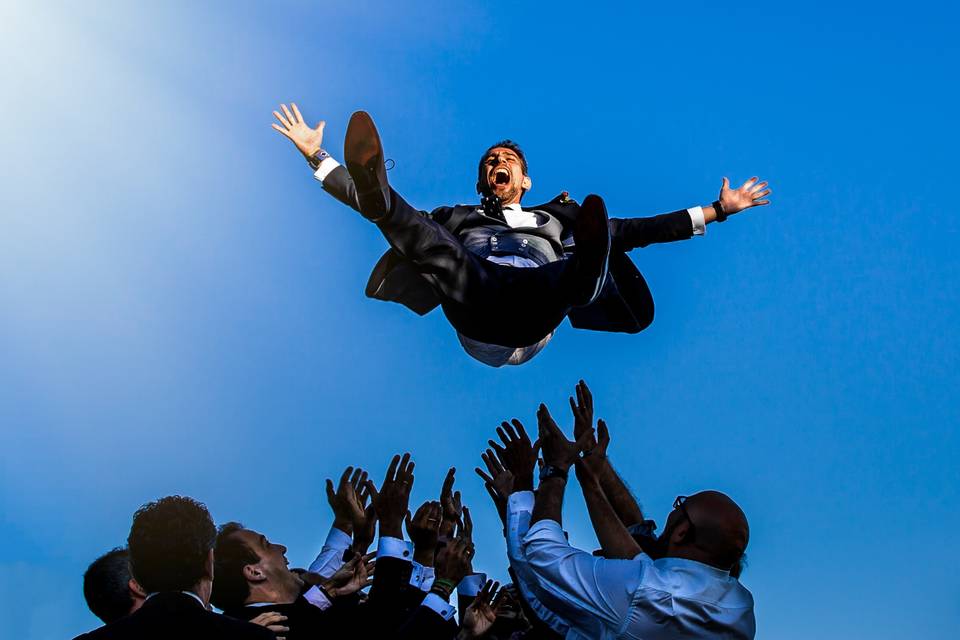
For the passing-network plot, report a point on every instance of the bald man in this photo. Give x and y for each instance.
(683, 590)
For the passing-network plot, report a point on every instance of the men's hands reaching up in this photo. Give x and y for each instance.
(499, 483)
(352, 576)
(557, 450)
(453, 561)
(273, 620)
(750, 194)
(365, 523)
(392, 501)
(595, 455)
(451, 504)
(482, 613)
(293, 127)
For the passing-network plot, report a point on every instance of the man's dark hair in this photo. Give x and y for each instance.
(169, 543)
(231, 555)
(504, 144)
(105, 585)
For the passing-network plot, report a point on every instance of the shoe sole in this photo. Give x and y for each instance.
(363, 155)
(591, 202)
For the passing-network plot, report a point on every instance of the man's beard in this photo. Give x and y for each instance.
(508, 195)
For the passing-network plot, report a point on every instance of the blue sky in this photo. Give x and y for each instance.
(183, 309)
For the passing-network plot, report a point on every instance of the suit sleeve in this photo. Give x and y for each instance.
(627, 234)
(339, 184)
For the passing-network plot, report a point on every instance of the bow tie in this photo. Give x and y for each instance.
(492, 206)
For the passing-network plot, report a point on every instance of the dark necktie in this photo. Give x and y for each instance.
(492, 206)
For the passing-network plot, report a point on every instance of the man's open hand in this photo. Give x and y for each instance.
(557, 450)
(451, 504)
(595, 455)
(518, 455)
(392, 502)
(292, 126)
(751, 194)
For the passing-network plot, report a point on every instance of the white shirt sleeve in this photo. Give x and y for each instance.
(327, 165)
(593, 594)
(330, 557)
(316, 597)
(388, 547)
(436, 603)
(519, 512)
(696, 218)
(422, 577)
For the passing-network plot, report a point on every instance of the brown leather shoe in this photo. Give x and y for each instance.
(591, 237)
(363, 155)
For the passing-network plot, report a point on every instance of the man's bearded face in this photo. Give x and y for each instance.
(504, 177)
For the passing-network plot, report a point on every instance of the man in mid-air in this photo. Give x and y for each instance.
(505, 276)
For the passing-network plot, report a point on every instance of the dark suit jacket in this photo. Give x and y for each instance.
(625, 303)
(308, 622)
(397, 608)
(177, 616)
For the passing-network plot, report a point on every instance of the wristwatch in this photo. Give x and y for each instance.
(550, 471)
(315, 160)
(721, 216)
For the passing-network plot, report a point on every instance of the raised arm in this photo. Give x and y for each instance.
(334, 177)
(631, 233)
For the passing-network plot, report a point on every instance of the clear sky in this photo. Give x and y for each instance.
(182, 308)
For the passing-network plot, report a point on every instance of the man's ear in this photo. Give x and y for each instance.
(680, 533)
(136, 591)
(209, 565)
(526, 183)
(253, 573)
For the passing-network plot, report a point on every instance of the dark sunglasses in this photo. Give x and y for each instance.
(680, 505)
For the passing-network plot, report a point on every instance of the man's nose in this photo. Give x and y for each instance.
(283, 549)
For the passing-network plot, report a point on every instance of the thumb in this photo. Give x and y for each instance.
(321, 125)
(725, 185)
(330, 492)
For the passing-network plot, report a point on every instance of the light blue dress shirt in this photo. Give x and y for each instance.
(641, 598)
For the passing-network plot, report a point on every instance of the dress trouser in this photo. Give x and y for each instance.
(485, 301)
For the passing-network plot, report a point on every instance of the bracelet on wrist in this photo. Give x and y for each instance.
(718, 209)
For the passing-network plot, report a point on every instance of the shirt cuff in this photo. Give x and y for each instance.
(696, 216)
(316, 597)
(436, 603)
(327, 165)
(470, 586)
(338, 539)
(520, 501)
(388, 547)
(421, 576)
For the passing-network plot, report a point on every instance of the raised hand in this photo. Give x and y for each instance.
(595, 454)
(451, 504)
(482, 613)
(453, 562)
(750, 194)
(292, 126)
(273, 620)
(345, 501)
(352, 576)
(517, 454)
(392, 501)
(424, 530)
(557, 450)
(500, 481)
(364, 528)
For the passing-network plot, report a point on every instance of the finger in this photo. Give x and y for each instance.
(492, 492)
(749, 183)
(546, 421)
(536, 449)
(483, 476)
(758, 186)
(725, 185)
(392, 469)
(762, 194)
(287, 113)
(372, 490)
(345, 476)
(587, 395)
(283, 120)
(448, 481)
(331, 495)
(760, 203)
(575, 409)
(407, 521)
(602, 432)
(502, 434)
(280, 129)
(320, 126)
(579, 390)
(584, 441)
(296, 113)
(521, 430)
(403, 469)
(496, 446)
(493, 463)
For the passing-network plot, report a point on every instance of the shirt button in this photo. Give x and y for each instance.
(525, 241)
(406, 553)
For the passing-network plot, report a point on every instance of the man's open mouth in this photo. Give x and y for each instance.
(501, 177)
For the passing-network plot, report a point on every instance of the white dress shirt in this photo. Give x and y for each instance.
(496, 355)
(641, 598)
(388, 547)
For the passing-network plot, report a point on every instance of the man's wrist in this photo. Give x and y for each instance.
(391, 531)
(424, 556)
(343, 524)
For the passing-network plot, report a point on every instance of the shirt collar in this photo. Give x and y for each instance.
(187, 593)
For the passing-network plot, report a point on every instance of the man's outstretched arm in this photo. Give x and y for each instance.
(332, 175)
(631, 233)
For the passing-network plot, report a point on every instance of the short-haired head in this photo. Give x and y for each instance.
(503, 172)
(710, 528)
(170, 544)
(109, 588)
(247, 565)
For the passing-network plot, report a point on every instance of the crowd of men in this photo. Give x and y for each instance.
(682, 583)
